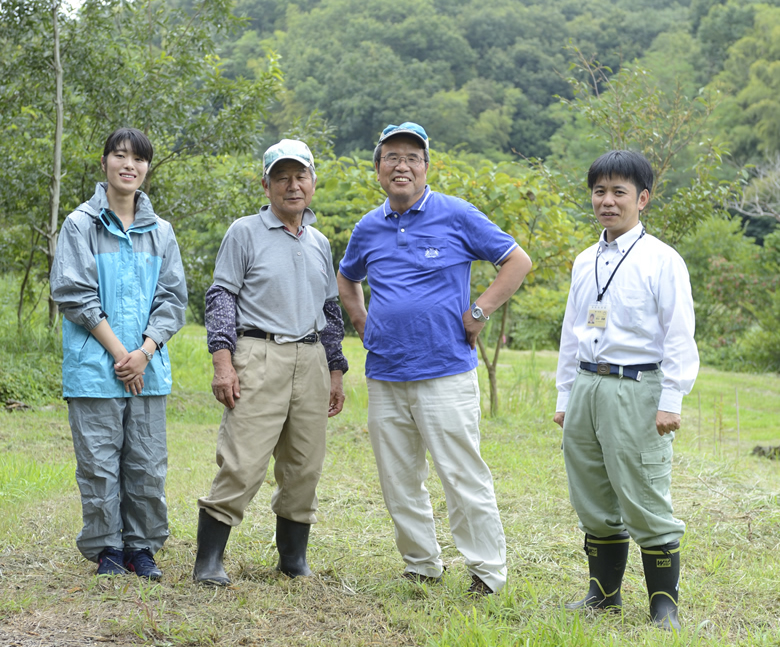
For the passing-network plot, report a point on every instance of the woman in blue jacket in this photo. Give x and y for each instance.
(119, 283)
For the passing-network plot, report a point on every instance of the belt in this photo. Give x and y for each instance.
(633, 372)
(312, 338)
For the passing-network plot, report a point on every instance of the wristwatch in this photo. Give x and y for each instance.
(477, 313)
(147, 353)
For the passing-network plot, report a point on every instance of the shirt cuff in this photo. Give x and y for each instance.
(563, 401)
(670, 401)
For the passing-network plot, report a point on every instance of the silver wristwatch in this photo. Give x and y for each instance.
(147, 353)
(477, 313)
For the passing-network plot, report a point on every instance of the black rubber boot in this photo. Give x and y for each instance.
(662, 574)
(212, 539)
(292, 538)
(607, 558)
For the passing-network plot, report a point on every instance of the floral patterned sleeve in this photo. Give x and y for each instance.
(331, 337)
(220, 319)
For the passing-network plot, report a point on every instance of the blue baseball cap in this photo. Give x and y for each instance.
(287, 149)
(406, 128)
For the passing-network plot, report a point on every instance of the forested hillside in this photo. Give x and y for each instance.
(485, 75)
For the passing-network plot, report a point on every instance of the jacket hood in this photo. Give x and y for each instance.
(144, 213)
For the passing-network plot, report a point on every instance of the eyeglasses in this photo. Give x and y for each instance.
(394, 159)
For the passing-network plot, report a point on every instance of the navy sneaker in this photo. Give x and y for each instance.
(142, 564)
(111, 561)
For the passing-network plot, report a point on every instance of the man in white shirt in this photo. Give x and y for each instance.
(626, 360)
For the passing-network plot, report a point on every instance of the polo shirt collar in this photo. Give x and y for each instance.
(417, 206)
(272, 222)
(624, 242)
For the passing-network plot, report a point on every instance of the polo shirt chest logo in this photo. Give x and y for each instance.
(431, 252)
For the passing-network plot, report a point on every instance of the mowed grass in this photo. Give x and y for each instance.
(730, 591)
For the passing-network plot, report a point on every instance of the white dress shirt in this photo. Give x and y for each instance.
(650, 318)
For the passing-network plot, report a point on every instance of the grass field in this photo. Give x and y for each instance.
(730, 591)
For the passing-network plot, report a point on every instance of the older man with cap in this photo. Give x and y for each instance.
(420, 331)
(274, 329)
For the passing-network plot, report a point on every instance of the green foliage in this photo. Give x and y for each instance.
(735, 286)
(477, 75)
(720, 27)
(142, 64)
(728, 285)
(631, 110)
(485, 78)
(537, 316)
(32, 378)
(751, 79)
(761, 345)
(30, 370)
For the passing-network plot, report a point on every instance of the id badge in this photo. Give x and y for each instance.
(597, 315)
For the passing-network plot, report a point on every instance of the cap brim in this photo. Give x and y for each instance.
(301, 160)
(404, 131)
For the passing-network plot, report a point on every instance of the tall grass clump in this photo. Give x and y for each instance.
(23, 477)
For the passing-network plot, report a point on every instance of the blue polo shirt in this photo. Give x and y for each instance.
(418, 266)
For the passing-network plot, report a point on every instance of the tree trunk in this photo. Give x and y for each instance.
(492, 366)
(26, 278)
(56, 174)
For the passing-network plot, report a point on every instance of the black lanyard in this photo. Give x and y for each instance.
(601, 293)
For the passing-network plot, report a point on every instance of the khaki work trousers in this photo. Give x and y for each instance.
(282, 411)
(619, 468)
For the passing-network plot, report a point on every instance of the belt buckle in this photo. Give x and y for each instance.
(602, 368)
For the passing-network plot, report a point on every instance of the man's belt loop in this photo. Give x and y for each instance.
(620, 373)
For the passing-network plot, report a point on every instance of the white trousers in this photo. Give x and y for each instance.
(441, 415)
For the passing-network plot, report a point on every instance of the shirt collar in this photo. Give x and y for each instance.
(272, 222)
(417, 206)
(624, 242)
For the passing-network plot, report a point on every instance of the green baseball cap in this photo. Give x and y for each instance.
(287, 149)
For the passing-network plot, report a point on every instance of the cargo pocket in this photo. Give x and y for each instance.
(657, 466)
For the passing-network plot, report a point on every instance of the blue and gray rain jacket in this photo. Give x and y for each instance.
(133, 278)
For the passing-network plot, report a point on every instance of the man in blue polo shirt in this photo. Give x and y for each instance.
(416, 251)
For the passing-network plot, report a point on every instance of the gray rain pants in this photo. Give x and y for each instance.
(122, 461)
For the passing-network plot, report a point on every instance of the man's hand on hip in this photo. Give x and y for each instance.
(336, 393)
(473, 328)
(666, 422)
(225, 386)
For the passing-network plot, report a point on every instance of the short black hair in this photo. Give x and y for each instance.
(630, 165)
(138, 141)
